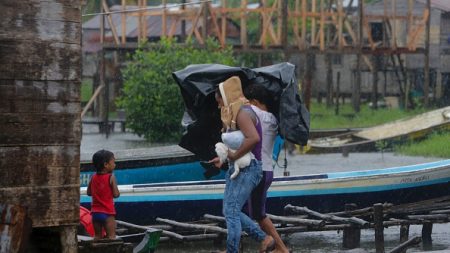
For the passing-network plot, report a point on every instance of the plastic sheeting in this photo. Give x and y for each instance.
(202, 117)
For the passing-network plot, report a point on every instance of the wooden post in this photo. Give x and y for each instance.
(309, 69)
(352, 235)
(139, 21)
(205, 22)
(340, 23)
(375, 82)
(280, 18)
(40, 66)
(407, 89)
(313, 23)
(329, 62)
(426, 85)
(284, 32)
(379, 234)
(111, 23)
(144, 21)
(329, 80)
(102, 26)
(104, 103)
(106, 115)
(404, 234)
(304, 10)
(183, 21)
(356, 97)
(244, 40)
(164, 19)
(322, 26)
(427, 229)
(68, 239)
(394, 24)
(223, 20)
(15, 226)
(338, 92)
(123, 18)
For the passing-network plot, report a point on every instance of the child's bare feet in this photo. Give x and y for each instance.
(267, 245)
(281, 251)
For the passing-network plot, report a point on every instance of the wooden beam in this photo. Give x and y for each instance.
(92, 99)
(313, 23)
(205, 20)
(215, 25)
(412, 44)
(304, 10)
(268, 25)
(296, 26)
(173, 27)
(340, 23)
(369, 34)
(164, 19)
(111, 23)
(194, 23)
(410, 17)
(279, 19)
(426, 84)
(285, 24)
(223, 19)
(322, 25)
(123, 18)
(394, 23)
(102, 27)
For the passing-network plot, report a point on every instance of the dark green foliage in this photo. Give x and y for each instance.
(151, 98)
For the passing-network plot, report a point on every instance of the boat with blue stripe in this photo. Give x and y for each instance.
(185, 201)
(151, 165)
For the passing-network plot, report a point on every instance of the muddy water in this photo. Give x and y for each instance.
(313, 242)
(330, 241)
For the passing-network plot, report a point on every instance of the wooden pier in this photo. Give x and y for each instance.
(301, 219)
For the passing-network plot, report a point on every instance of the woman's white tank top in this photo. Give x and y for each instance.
(269, 127)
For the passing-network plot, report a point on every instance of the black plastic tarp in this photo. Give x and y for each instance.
(202, 117)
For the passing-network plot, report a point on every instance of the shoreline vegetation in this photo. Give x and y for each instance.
(434, 145)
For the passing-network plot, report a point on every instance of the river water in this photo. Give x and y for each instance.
(311, 242)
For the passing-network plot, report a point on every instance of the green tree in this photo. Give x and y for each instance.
(151, 96)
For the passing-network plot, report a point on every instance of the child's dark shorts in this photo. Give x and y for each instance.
(100, 217)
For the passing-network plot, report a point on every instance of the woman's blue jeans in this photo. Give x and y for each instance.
(237, 192)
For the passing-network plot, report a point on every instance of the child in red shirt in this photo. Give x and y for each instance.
(103, 188)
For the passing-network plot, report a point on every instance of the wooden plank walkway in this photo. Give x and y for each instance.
(351, 222)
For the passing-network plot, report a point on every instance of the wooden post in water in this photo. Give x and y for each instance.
(356, 96)
(404, 234)
(352, 235)
(426, 81)
(40, 80)
(309, 73)
(379, 233)
(427, 229)
(338, 93)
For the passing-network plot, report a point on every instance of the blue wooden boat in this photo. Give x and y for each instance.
(184, 201)
(151, 165)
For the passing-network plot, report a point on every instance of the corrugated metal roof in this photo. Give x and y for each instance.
(443, 5)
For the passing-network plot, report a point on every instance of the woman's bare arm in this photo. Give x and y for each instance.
(247, 126)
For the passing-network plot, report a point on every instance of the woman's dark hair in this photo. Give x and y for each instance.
(100, 158)
(258, 92)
